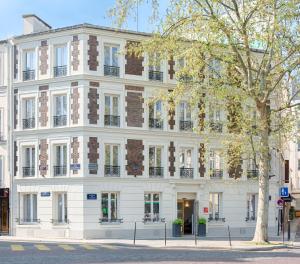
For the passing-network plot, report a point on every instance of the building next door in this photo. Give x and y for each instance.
(185, 211)
(4, 211)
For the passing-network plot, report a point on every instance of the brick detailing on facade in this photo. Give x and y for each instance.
(201, 114)
(93, 155)
(15, 158)
(171, 113)
(93, 106)
(15, 62)
(135, 157)
(93, 53)
(75, 103)
(75, 53)
(15, 108)
(202, 160)
(44, 57)
(43, 105)
(172, 159)
(75, 152)
(134, 63)
(171, 70)
(43, 157)
(134, 108)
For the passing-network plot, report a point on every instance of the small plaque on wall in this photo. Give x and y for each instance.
(91, 196)
(45, 194)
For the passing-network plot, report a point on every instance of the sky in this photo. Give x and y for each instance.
(62, 13)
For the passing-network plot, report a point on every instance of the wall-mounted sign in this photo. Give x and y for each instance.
(75, 166)
(205, 210)
(284, 192)
(43, 167)
(45, 194)
(280, 203)
(93, 166)
(91, 196)
(297, 213)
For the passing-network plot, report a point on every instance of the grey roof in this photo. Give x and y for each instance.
(3, 41)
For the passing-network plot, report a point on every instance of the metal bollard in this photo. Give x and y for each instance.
(165, 233)
(289, 230)
(134, 234)
(229, 236)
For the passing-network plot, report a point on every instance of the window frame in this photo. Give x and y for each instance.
(212, 210)
(153, 218)
(109, 219)
(32, 60)
(64, 208)
(251, 214)
(184, 151)
(63, 57)
(185, 111)
(31, 208)
(111, 47)
(111, 154)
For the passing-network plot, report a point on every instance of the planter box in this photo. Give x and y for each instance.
(176, 230)
(202, 230)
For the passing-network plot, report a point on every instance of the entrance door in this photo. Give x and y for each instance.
(4, 215)
(185, 211)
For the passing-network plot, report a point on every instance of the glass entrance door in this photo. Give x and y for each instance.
(185, 211)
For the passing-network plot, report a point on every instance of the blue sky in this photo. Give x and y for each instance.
(61, 13)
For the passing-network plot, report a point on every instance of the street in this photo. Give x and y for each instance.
(56, 253)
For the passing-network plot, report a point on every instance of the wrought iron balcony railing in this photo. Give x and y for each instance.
(156, 123)
(187, 173)
(2, 139)
(186, 125)
(59, 71)
(216, 174)
(111, 171)
(216, 218)
(250, 218)
(156, 172)
(111, 120)
(156, 76)
(28, 75)
(110, 221)
(60, 170)
(28, 171)
(28, 123)
(60, 221)
(252, 174)
(60, 120)
(111, 70)
(216, 127)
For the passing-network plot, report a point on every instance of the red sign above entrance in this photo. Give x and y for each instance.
(205, 210)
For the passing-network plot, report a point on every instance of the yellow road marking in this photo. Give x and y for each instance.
(42, 247)
(66, 247)
(88, 247)
(108, 247)
(17, 248)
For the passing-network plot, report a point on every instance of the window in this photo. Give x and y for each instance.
(28, 113)
(298, 144)
(61, 207)
(215, 206)
(215, 119)
(29, 66)
(186, 163)
(60, 110)
(298, 165)
(155, 73)
(112, 117)
(155, 115)
(185, 116)
(112, 167)
(1, 170)
(252, 169)
(1, 124)
(29, 162)
(155, 161)
(109, 210)
(214, 68)
(60, 168)
(111, 60)
(251, 207)
(151, 213)
(215, 164)
(29, 208)
(61, 61)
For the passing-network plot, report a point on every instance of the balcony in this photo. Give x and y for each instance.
(156, 172)
(216, 127)
(60, 120)
(186, 173)
(59, 71)
(186, 125)
(28, 75)
(60, 170)
(217, 218)
(156, 76)
(111, 171)
(156, 123)
(216, 174)
(252, 174)
(111, 120)
(60, 221)
(250, 218)
(28, 123)
(2, 139)
(110, 221)
(111, 70)
(185, 78)
(28, 171)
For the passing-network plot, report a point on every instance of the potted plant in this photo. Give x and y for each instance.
(176, 230)
(292, 213)
(202, 227)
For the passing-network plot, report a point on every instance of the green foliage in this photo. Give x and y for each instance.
(178, 221)
(202, 221)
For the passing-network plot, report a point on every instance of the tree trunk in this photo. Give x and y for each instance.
(261, 230)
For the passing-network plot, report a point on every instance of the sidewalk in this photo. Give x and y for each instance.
(206, 243)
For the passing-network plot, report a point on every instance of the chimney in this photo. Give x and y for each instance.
(34, 24)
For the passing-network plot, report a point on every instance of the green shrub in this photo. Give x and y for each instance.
(178, 221)
(202, 221)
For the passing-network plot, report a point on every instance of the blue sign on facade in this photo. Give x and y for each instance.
(75, 167)
(91, 196)
(284, 192)
(45, 194)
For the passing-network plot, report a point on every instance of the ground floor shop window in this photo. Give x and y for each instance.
(152, 204)
(60, 209)
(29, 208)
(215, 207)
(109, 207)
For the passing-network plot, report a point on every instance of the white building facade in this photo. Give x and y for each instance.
(92, 155)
